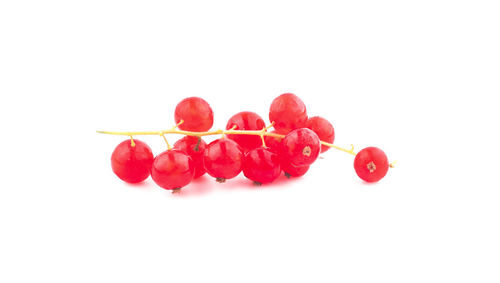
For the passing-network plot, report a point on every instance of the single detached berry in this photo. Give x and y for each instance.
(196, 114)
(261, 165)
(223, 159)
(194, 147)
(172, 169)
(131, 161)
(273, 143)
(371, 164)
(323, 129)
(293, 171)
(301, 147)
(245, 121)
(288, 113)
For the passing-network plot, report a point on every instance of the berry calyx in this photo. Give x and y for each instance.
(288, 113)
(131, 161)
(194, 147)
(246, 120)
(223, 159)
(301, 147)
(196, 114)
(323, 129)
(371, 164)
(172, 169)
(261, 165)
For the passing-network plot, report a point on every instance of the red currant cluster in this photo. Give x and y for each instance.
(246, 145)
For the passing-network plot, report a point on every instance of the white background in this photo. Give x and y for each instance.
(418, 79)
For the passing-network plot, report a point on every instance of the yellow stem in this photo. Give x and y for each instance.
(178, 124)
(350, 151)
(231, 131)
(270, 126)
(262, 135)
(227, 131)
(168, 145)
(132, 143)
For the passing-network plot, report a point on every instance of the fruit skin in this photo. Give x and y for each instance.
(323, 129)
(172, 169)
(371, 164)
(272, 143)
(196, 113)
(301, 147)
(288, 113)
(223, 159)
(293, 171)
(194, 147)
(261, 165)
(130, 163)
(245, 121)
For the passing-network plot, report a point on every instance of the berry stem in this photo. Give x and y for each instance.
(224, 133)
(350, 151)
(231, 131)
(165, 139)
(262, 136)
(132, 143)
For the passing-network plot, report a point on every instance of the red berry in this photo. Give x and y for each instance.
(293, 171)
(246, 120)
(130, 163)
(261, 165)
(172, 169)
(371, 164)
(323, 129)
(223, 159)
(301, 147)
(194, 147)
(288, 113)
(196, 113)
(273, 144)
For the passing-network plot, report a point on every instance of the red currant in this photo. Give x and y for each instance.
(288, 113)
(301, 147)
(273, 144)
(261, 165)
(130, 163)
(172, 169)
(293, 171)
(196, 113)
(371, 164)
(223, 159)
(323, 129)
(246, 120)
(194, 147)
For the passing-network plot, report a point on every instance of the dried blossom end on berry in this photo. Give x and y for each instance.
(371, 164)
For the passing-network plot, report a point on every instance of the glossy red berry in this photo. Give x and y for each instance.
(223, 159)
(172, 169)
(371, 164)
(194, 147)
(293, 171)
(273, 143)
(323, 129)
(130, 163)
(261, 165)
(300, 147)
(196, 114)
(246, 120)
(288, 113)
